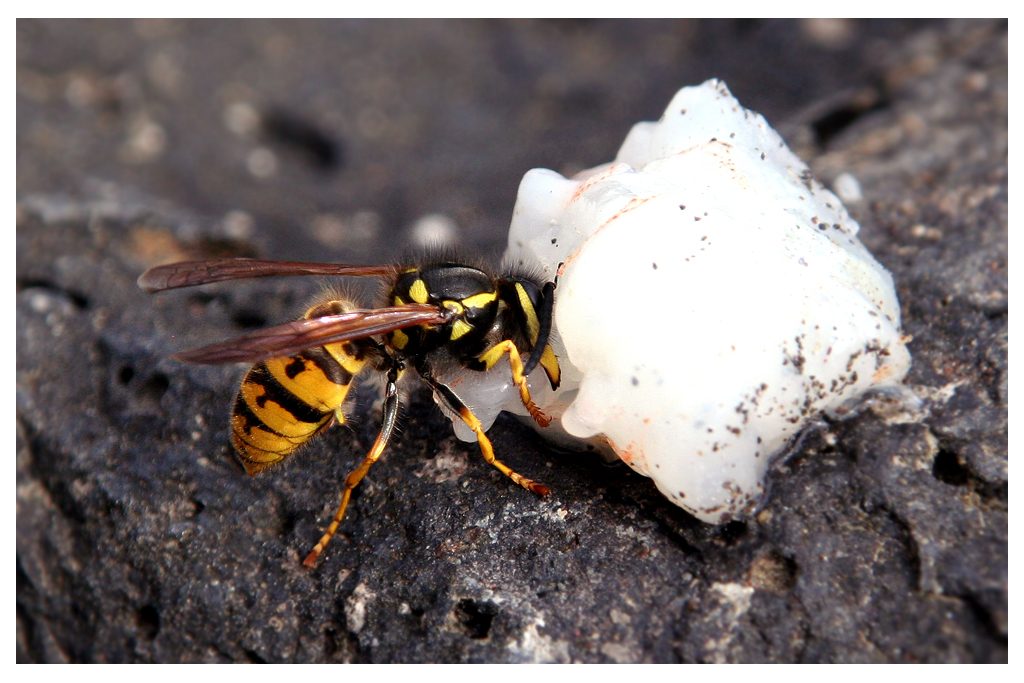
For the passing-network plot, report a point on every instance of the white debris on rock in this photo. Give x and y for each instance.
(847, 187)
(712, 298)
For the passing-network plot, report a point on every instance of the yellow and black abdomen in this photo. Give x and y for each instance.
(284, 402)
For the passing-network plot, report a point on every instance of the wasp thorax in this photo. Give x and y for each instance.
(469, 293)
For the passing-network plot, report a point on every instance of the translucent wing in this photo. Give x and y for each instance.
(190, 273)
(291, 338)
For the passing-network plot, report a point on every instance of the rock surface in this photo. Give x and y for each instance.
(139, 538)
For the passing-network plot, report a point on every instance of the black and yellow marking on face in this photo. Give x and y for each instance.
(534, 308)
(284, 402)
(529, 312)
(549, 361)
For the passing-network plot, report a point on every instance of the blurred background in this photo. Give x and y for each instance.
(335, 139)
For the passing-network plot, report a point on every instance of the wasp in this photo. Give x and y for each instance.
(435, 315)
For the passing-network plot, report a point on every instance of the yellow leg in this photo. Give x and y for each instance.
(351, 481)
(356, 475)
(487, 450)
(493, 354)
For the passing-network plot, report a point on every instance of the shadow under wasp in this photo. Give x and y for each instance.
(437, 314)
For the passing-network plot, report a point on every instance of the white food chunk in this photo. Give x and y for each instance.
(712, 299)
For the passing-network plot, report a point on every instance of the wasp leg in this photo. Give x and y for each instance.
(356, 475)
(488, 452)
(492, 355)
(456, 405)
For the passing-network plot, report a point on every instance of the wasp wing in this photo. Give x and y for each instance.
(290, 338)
(190, 273)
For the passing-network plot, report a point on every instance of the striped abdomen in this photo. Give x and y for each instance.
(284, 402)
